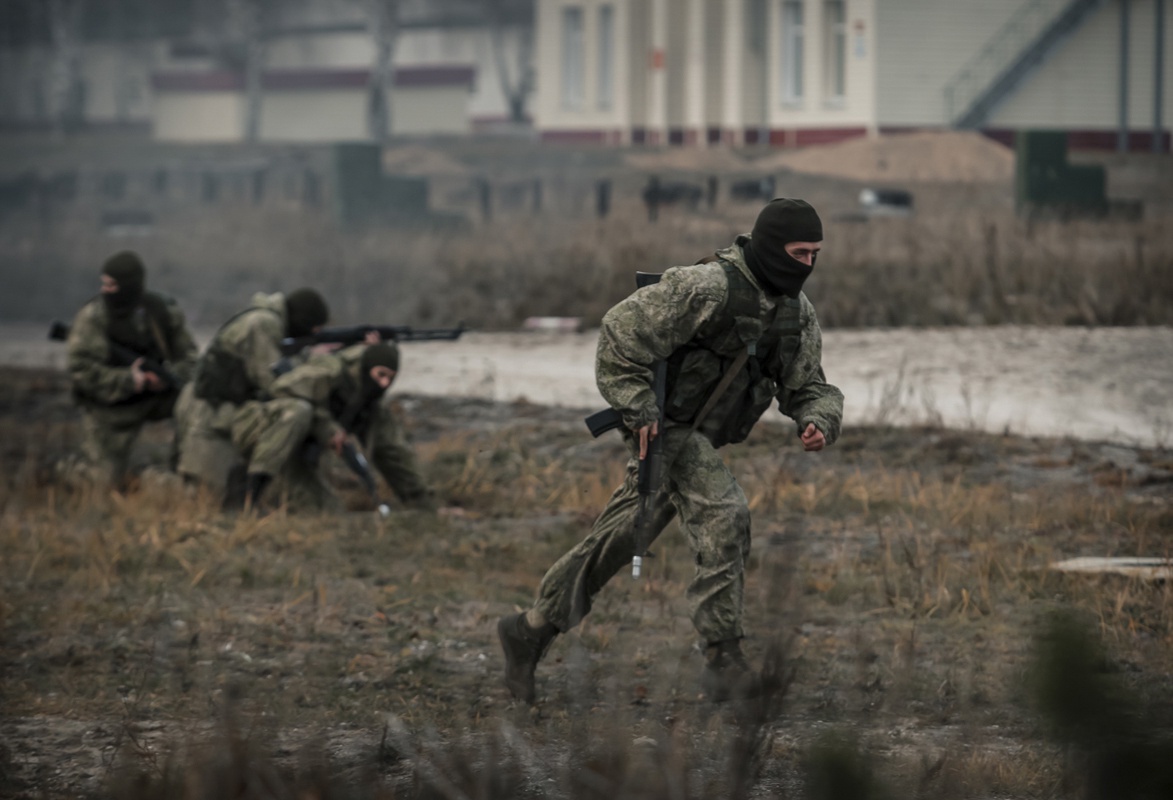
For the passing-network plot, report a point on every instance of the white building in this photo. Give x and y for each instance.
(795, 72)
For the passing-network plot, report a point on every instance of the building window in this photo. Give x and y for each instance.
(573, 79)
(835, 72)
(791, 61)
(606, 55)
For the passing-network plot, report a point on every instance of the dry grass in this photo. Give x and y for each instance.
(963, 258)
(155, 648)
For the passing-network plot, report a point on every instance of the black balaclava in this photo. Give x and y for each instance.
(304, 310)
(781, 222)
(127, 269)
(383, 354)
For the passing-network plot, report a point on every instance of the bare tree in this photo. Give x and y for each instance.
(246, 48)
(66, 90)
(383, 23)
(517, 81)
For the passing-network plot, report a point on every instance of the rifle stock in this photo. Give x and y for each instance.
(353, 334)
(651, 474)
(122, 356)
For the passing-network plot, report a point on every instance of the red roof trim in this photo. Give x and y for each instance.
(450, 75)
(221, 81)
(296, 79)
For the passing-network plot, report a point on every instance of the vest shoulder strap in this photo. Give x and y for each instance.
(743, 295)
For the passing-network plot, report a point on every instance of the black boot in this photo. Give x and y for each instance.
(257, 481)
(235, 488)
(727, 675)
(524, 647)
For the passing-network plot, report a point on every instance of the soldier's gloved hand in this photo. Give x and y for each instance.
(337, 441)
(144, 381)
(813, 439)
(646, 434)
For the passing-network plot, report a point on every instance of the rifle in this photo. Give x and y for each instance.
(353, 458)
(359, 465)
(651, 468)
(123, 356)
(353, 334)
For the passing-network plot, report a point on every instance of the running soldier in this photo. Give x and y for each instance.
(129, 352)
(739, 314)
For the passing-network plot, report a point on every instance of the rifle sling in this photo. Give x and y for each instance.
(726, 379)
(159, 338)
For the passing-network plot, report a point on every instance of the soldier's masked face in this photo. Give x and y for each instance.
(120, 299)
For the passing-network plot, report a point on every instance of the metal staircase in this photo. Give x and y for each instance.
(1018, 47)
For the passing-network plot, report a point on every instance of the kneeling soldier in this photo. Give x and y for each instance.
(129, 351)
(236, 369)
(321, 404)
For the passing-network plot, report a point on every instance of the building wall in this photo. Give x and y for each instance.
(754, 61)
(199, 116)
(1078, 87)
(118, 81)
(921, 44)
(427, 111)
(315, 115)
(590, 117)
(115, 81)
(702, 67)
(24, 90)
(715, 66)
(413, 48)
(638, 14)
(855, 110)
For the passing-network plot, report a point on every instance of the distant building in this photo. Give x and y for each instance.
(186, 81)
(309, 105)
(796, 72)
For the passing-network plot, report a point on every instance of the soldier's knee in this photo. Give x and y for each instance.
(293, 412)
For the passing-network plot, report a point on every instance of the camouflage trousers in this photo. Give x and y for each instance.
(109, 433)
(714, 516)
(203, 438)
(271, 437)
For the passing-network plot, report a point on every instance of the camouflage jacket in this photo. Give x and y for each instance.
(238, 364)
(95, 376)
(331, 383)
(700, 318)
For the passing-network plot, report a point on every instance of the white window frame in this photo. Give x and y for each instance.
(835, 52)
(573, 58)
(606, 66)
(792, 52)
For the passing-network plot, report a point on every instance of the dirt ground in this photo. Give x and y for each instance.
(901, 575)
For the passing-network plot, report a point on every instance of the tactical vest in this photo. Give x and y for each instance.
(351, 409)
(221, 375)
(146, 330)
(695, 369)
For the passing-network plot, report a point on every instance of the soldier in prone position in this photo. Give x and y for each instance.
(237, 369)
(117, 397)
(321, 404)
(741, 313)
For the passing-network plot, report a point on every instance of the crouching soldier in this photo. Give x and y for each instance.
(318, 405)
(237, 369)
(129, 353)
